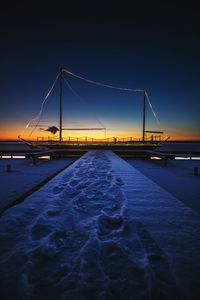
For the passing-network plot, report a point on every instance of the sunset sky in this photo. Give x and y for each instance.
(152, 45)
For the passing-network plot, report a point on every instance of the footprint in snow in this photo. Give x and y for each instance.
(58, 189)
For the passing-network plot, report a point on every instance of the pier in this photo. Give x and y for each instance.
(98, 214)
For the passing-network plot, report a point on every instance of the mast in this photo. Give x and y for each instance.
(144, 117)
(60, 136)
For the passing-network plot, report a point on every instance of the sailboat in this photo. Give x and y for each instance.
(59, 128)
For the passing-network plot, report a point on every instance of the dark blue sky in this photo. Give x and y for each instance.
(139, 44)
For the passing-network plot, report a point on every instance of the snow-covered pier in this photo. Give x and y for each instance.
(100, 230)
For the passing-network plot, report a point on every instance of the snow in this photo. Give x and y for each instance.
(100, 230)
(177, 178)
(24, 176)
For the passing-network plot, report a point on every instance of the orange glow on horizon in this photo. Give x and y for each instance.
(120, 135)
(12, 132)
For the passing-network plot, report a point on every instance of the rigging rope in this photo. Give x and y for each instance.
(153, 111)
(38, 117)
(77, 95)
(116, 88)
(103, 84)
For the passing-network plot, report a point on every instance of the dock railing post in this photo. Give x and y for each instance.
(144, 117)
(196, 171)
(60, 135)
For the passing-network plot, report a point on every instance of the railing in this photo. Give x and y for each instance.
(91, 140)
